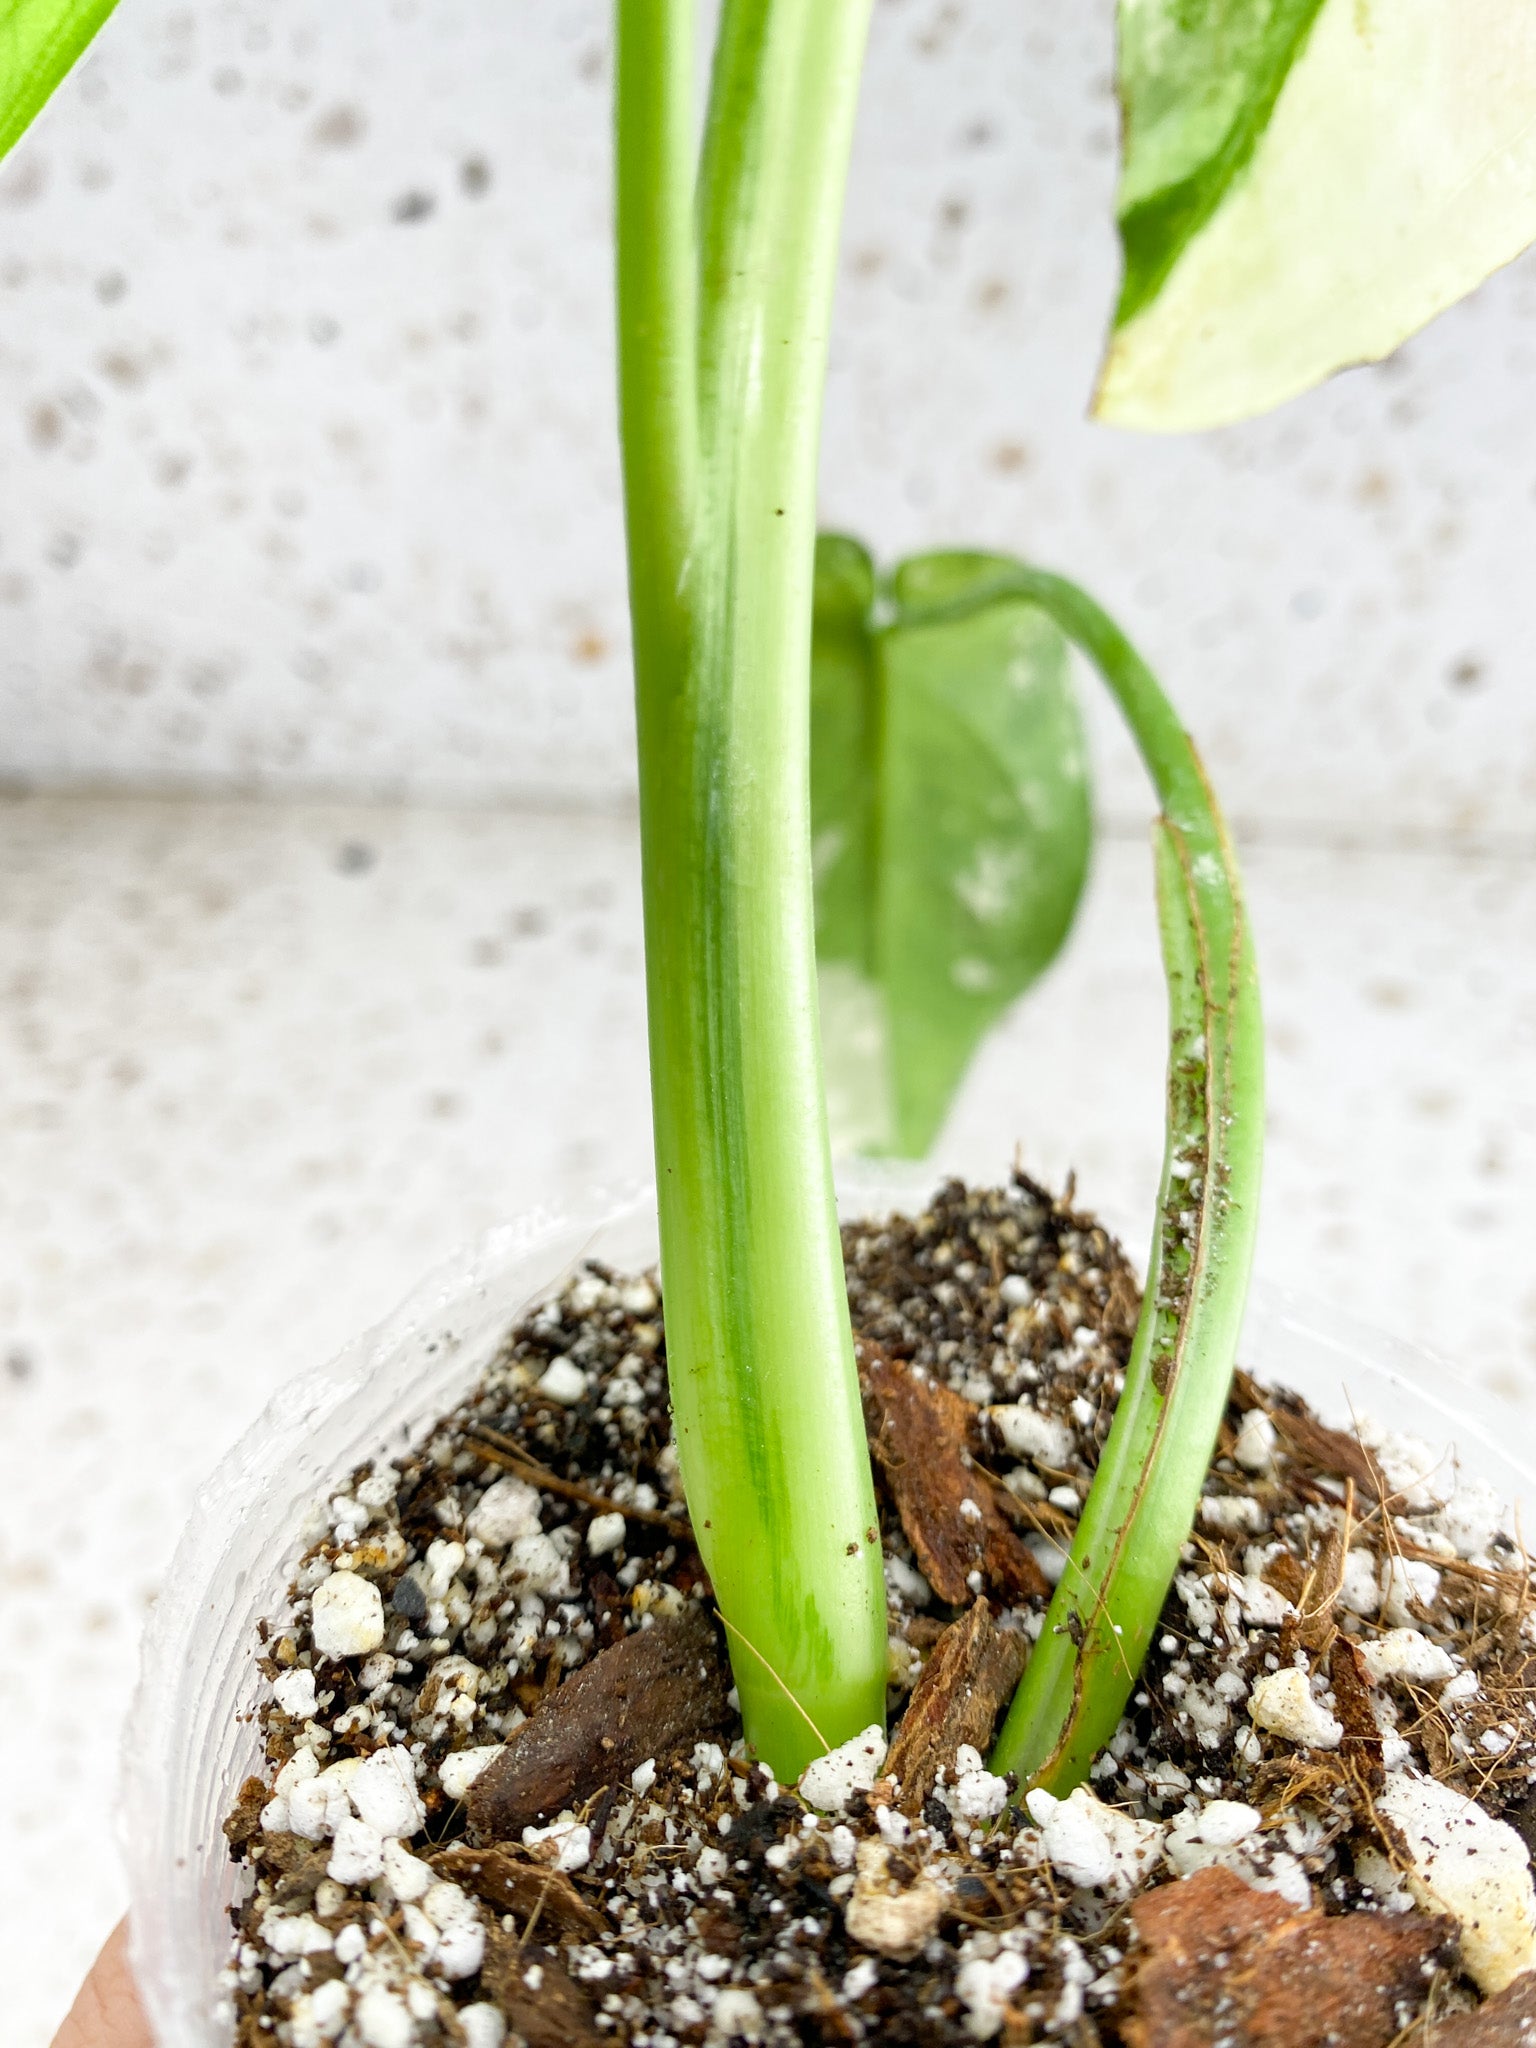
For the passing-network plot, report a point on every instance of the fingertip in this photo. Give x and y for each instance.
(106, 2012)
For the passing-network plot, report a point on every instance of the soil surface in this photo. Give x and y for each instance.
(506, 1796)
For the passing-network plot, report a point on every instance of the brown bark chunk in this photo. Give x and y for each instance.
(917, 1433)
(659, 1688)
(973, 1670)
(283, 1855)
(532, 1892)
(243, 1822)
(1320, 1593)
(1361, 1746)
(1333, 1451)
(1508, 2020)
(1223, 1963)
(552, 2011)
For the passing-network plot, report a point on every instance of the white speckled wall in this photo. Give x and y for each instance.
(308, 452)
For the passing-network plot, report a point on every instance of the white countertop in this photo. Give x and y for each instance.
(263, 1064)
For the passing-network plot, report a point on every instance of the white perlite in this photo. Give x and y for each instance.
(564, 1382)
(1255, 1446)
(1463, 1862)
(1472, 1517)
(1233, 1514)
(294, 1692)
(975, 1795)
(506, 1510)
(351, 1943)
(906, 1582)
(348, 1616)
(860, 1978)
(1415, 1470)
(318, 1806)
(456, 1773)
(537, 1565)
(1359, 1589)
(1219, 1824)
(737, 2015)
(380, 1790)
(1092, 1844)
(484, 2026)
(384, 2020)
(1282, 1702)
(1259, 1604)
(1386, 1884)
(294, 1934)
(1409, 1589)
(317, 2017)
(567, 1843)
(829, 1782)
(357, 1855)
(406, 1875)
(1029, 1434)
(984, 1985)
(383, 1789)
(605, 1534)
(459, 1948)
(1225, 1832)
(1405, 1653)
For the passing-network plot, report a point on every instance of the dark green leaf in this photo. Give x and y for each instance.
(843, 751)
(951, 826)
(39, 41)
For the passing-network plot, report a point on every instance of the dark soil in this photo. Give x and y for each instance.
(610, 1867)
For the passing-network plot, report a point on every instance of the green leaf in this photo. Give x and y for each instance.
(951, 826)
(843, 751)
(1198, 84)
(1305, 184)
(39, 41)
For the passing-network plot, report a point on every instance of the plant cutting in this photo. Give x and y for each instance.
(949, 877)
(724, 289)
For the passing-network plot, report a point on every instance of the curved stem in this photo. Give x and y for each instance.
(764, 1389)
(1144, 1495)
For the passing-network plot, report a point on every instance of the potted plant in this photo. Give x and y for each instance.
(1246, 199)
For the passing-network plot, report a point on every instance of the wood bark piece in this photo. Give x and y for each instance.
(1507, 2020)
(1361, 1746)
(534, 1894)
(970, 1675)
(1319, 1594)
(660, 1688)
(950, 1510)
(243, 1822)
(1224, 1964)
(1333, 1451)
(551, 2010)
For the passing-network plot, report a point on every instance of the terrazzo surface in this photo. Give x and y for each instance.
(261, 1065)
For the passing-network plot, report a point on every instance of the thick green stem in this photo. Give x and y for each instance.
(1144, 1495)
(722, 359)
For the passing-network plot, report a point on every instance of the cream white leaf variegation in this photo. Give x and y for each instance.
(1372, 163)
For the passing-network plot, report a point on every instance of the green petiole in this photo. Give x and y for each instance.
(40, 41)
(1144, 1495)
(723, 308)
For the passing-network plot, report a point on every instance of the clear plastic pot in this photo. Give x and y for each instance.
(192, 1737)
